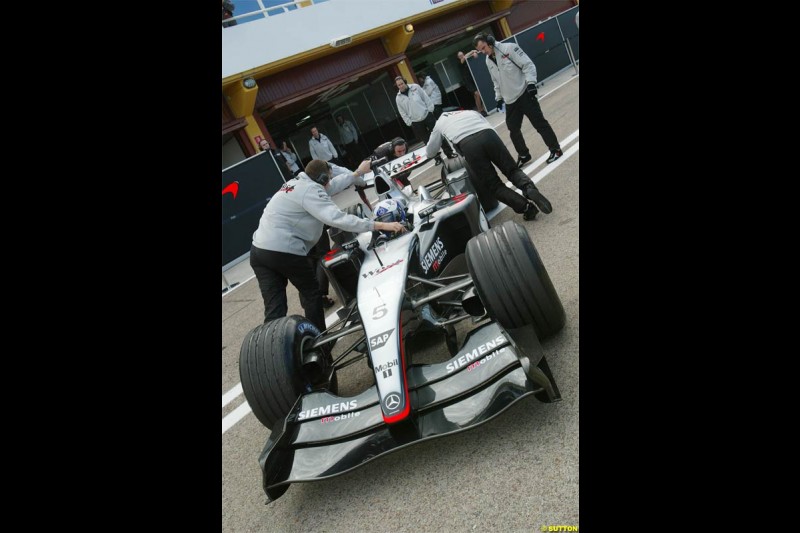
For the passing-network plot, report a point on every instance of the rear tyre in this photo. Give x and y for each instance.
(271, 367)
(512, 282)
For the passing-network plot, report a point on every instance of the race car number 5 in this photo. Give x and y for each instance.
(379, 312)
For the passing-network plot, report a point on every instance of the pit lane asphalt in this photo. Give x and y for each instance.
(517, 472)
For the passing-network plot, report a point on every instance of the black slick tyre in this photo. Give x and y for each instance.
(512, 282)
(270, 367)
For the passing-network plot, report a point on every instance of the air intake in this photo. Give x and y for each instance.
(341, 41)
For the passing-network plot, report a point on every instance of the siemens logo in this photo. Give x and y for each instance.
(477, 353)
(432, 254)
(328, 409)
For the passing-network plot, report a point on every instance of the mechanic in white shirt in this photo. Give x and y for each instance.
(514, 77)
(322, 148)
(416, 110)
(291, 225)
(481, 146)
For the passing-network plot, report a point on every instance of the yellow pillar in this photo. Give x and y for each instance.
(504, 28)
(405, 71)
(396, 41)
(241, 100)
(500, 5)
(304, 4)
(497, 6)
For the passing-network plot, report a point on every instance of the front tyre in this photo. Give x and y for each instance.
(271, 367)
(512, 282)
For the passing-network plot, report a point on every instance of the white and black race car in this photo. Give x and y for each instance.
(447, 268)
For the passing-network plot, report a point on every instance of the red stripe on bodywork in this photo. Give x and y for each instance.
(404, 413)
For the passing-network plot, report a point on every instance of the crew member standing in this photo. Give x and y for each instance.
(514, 77)
(322, 148)
(416, 110)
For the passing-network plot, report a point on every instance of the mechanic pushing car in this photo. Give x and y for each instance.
(291, 224)
(475, 139)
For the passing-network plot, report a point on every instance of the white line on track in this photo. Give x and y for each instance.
(535, 164)
(238, 286)
(240, 412)
(234, 416)
(229, 396)
(573, 78)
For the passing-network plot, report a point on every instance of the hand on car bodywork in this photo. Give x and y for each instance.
(396, 227)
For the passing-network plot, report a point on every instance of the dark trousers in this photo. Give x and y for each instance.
(481, 150)
(423, 128)
(529, 106)
(273, 270)
(319, 250)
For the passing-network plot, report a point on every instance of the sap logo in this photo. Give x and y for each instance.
(380, 339)
(328, 409)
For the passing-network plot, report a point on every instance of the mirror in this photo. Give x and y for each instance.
(423, 193)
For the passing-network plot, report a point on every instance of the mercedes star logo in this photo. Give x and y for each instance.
(392, 401)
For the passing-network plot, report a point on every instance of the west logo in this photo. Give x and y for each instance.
(380, 270)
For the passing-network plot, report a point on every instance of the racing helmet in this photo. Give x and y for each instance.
(389, 210)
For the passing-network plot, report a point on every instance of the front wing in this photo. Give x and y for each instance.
(326, 435)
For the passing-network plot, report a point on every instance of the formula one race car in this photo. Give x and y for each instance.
(447, 268)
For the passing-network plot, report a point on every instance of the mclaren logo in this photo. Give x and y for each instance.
(392, 402)
(232, 188)
(380, 339)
